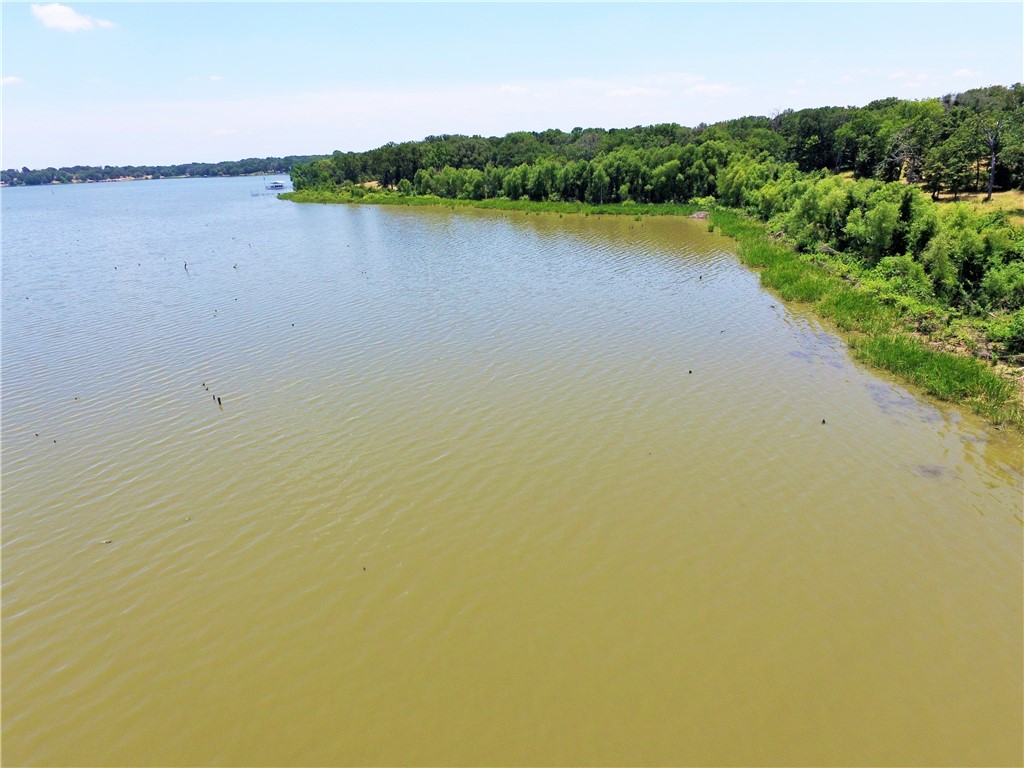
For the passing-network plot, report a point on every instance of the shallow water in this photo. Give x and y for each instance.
(483, 488)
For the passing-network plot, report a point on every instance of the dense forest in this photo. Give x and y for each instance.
(962, 142)
(856, 185)
(87, 173)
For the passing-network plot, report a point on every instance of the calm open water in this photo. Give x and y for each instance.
(483, 488)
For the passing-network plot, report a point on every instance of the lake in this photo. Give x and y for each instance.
(310, 485)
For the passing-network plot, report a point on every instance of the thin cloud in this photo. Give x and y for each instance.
(710, 89)
(636, 90)
(216, 78)
(67, 19)
(12, 80)
(967, 73)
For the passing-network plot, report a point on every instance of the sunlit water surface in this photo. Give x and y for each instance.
(483, 488)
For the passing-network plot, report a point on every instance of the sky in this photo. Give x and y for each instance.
(130, 83)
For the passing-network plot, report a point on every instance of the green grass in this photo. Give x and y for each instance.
(1011, 201)
(853, 309)
(384, 197)
(794, 281)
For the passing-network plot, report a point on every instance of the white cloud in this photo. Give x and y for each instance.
(225, 132)
(846, 79)
(216, 78)
(511, 88)
(12, 80)
(897, 75)
(67, 19)
(967, 73)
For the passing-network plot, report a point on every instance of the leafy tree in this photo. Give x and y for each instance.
(599, 188)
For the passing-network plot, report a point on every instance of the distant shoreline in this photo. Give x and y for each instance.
(55, 183)
(95, 174)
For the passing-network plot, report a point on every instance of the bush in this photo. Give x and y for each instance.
(905, 276)
(1003, 286)
(1009, 331)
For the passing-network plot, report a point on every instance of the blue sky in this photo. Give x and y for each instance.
(148, 83)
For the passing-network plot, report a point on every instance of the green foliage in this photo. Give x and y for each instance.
(1003, 285)
(1008, 331)
(956, 257)
(872, 232)
(905, 276)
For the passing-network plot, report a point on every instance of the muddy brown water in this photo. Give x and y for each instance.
(483, 488)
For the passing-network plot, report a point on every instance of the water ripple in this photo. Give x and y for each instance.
(459, 452)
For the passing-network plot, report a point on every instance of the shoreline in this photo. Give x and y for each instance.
(873, 329)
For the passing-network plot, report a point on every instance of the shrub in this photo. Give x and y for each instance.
(1009, 331)
(1003, 286)
(905, 276)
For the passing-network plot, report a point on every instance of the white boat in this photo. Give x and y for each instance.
(275, 185)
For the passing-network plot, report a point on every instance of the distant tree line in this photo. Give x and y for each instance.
(87, 173)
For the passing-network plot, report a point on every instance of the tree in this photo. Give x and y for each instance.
(599, 187)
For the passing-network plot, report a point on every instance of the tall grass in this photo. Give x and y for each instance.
(853, 309)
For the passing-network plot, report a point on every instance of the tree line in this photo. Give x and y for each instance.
(86, 173)
(965, 142)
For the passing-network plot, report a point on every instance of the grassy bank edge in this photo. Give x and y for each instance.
(874, 330)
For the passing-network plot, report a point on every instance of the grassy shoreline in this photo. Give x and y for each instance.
(876, 331)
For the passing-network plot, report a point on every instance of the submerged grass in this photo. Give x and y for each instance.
(949, 377)
(878, 335)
